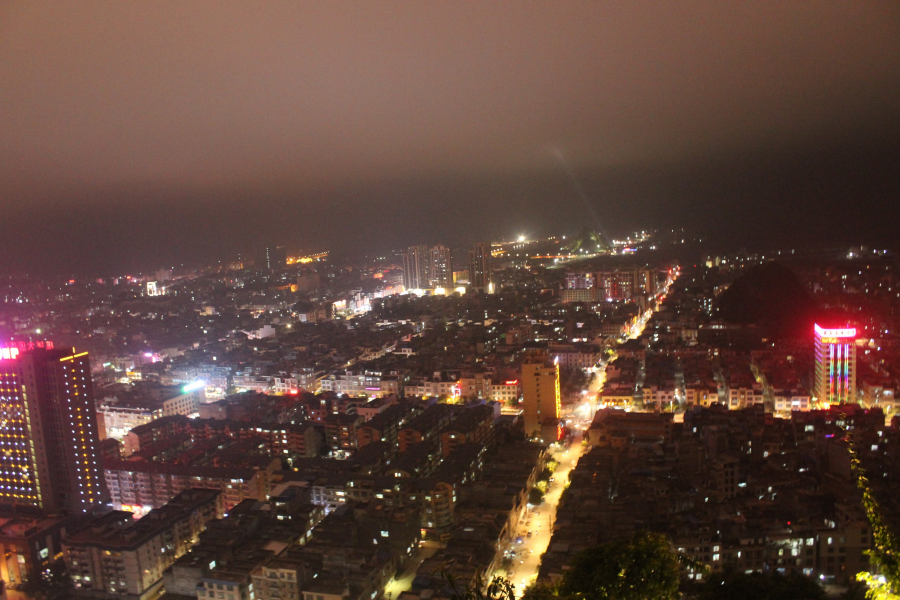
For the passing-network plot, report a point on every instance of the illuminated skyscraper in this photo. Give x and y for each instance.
(415, 268)
(440, 269)
(480, 266)
(835, 365)
(48, 430)
(540, 393)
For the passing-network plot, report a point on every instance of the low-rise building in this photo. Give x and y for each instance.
(141, 485)
(29, 540)
(506, 392)
(115, 556)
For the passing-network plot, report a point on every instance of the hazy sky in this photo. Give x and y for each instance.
(134, 132)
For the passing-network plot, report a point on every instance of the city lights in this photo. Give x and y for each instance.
(267, 331)
(194, 385)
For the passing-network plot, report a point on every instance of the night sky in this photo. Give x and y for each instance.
(134, 134)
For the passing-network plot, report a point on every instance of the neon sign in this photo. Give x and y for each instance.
(13, 349)
(836, 333)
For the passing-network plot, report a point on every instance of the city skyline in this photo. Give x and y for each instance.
(442, 301)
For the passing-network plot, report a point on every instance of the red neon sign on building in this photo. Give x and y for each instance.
(9, 353)
(12, 349)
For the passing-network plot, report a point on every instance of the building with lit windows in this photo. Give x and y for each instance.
(540, 393)
(506, 392)
(148, 403)
(580, 281)
(115, 556)
(139, 486)
(480, 266)
(440, 267)
(415, 268)
(48, 430)
(835, 376)
(155, 289)
(617, 284)
(29, 540)
(272, 258)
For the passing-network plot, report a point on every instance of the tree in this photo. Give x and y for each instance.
(48, 584)
(542, 592)
(572, 381)
(733, 585)
(640, 568)
(885, 554)
(499, 588)
(856, 591)
(535, 496)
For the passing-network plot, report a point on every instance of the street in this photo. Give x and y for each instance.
(540, 520)
(396, 586)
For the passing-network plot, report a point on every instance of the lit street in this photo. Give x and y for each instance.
(396, 586)
(539, 521)
(525, 565)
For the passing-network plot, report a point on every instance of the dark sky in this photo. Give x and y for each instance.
(138, 133)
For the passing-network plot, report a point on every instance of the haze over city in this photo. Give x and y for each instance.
(215, 128)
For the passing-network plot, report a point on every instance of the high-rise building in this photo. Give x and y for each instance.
(415, 268)
(624, 284)
(440, 267)
(645, 281)
(272, 258)
(48, 430)
(835, 365)
(540, 393)
(480, 266)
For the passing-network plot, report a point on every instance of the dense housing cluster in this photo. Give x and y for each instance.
(298, 429)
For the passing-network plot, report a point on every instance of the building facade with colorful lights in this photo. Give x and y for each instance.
(835, 375)
(48, 430)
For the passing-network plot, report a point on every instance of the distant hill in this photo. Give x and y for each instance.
(771, 296)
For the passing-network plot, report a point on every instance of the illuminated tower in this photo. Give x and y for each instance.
(48, 430)
(540, 393)
(835, 365)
